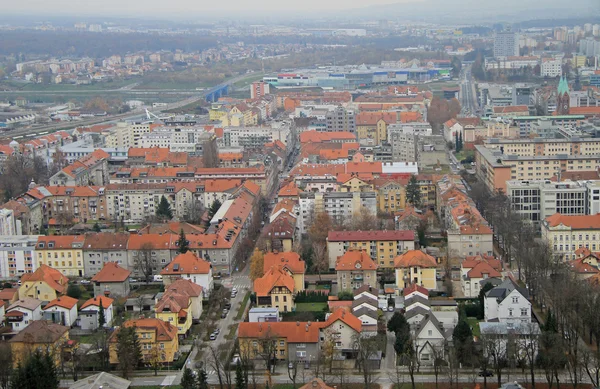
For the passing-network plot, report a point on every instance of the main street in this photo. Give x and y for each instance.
(468, 95)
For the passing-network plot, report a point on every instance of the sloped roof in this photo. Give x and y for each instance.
(346, 317)
(95, 302)
(355, 259)
(287, 260)
(187, 263)
(316, 383)
(294, 332)
(185, 287)
(576, 222)
(386, 235)
(26, 302)
(106, 241)
(414, 258)
(172, 301)
(274, 277)
(508, 285)
(164, 331)
(481, 269)
(414, 288)
(101, 380)
(63, 302)
(40, 331)
(52, 277)
(111, 272)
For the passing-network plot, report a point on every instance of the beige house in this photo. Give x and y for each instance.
(354, 269)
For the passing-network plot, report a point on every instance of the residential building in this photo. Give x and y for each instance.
(289, 262)
(276, 288)
(91, 169)
(175, 308)
(125, 135)
(17, 255)
(194, 291)
(418, 307)
(354, 269)
(39, 335)
(294, 341)
(507, 303)
(62, 310)
(565, 234)
(341, 119)
(391, 197)
(9, 296)
(63, 253)
(340, 206)
(476, 271)
(371, 127)
(255, 137)
(111, 281)
(383, 245)
(259, 89)
(506, 44)
(189, 267)
(23, 312)
(181, 142)
(101, 380)
(8, 224)
(68, 205)
(505, 334)
(89, 313)
(101, 248)
(341, 329)
(415, 267)
(316, 383)
(551, 67)
(45, 284)
(153, 334)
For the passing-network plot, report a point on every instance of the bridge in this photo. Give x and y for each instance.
(213, 94)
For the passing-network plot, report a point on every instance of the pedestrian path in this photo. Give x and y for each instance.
(168, 380)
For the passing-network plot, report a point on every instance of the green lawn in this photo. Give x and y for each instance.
(310, 307)
(474, 323)
(240, 313)
(232, 332)
(248, 80)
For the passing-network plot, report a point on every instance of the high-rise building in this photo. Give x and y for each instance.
(259, 89)
(506, 44)
(341, 119)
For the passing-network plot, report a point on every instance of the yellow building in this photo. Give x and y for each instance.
(292, 340)
(566, 234)
(383, 246)
(578, 61)
(239, 116)
(216, 112)
(355, 184)
(415, 267)
(158, 340)
(391, 197)
(289, 262)
(428, 189)
(275, 289)
(176, 309)
(63, 253)
(39, 335)
(371, 127)
(45, 284)
(354, 269)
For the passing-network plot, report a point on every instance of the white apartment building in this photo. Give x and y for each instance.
(189, 140)
(403, 139)
(535, 200)
(551, 67)
(506, 44)
(340, 206)
(17, 255)
(255, 137)
(126, 134)
(9, 225)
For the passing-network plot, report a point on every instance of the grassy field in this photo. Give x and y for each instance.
(474, 323)
(248, 80)
(71, 87)
(310, 307)
(240, 313)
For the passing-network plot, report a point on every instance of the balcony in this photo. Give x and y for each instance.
(357, 277)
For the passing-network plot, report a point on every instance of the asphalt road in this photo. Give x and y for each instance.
(467, 95)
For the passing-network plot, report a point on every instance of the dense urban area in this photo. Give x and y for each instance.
(328, 204)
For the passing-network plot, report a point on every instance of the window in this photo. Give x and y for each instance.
(524, 311)
(510, 312)
(430, 333)
(515, 300)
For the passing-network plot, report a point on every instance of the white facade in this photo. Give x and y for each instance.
(17, 255)
(506, 44)
(108, 313)
(9, 225)
(551, 68)
(506, 304)
(70, 315)
(126, 134)
(429, 342)
(204, 280)
(340, 206)
(253, 137)
(29, 315)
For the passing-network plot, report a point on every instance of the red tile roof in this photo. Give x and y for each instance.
(414, 258)
(289, 190)
(293, 332)
(361, 236)
(481, 269)
(63, 302)
(274, 277)
(185, 287)
(187, 263)
(316, 383)
(163, 330)
(371, 118)
(95, 302)
(355, 260)
(52, 277)
(287, 260)
(172, 301)
(59, 242)
(415, 288)
(106, 241)
(346, 317)
(111, 272)
(579, 222)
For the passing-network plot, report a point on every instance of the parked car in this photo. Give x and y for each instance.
(234, 290)
(85, 282)
(158, 278)
(390, 308)
(228, 305)
(213, 337)
(217, 331)
(486, 373)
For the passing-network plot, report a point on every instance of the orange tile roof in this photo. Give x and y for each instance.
(346, 317)
(580, 266)
(111, 272)
(318, 169)
(251, 187)
(584, 111)
(172, 301)
(52, 277)
(187, 263)
(95, 302)
(221, 185)
(415, 288)
(481, 269)
(330, 155)
(471, 261)
(414, 258)
(293, 332)
(579, 222)
(185, 287)
(287, 260)
(316, 383)
(76, 191)
(355, 260)
(274, 277)
(286, 204)
(511, 109)
(410, 116)
(339, 304)
(371, 118)
(155, 241)
(363, 167)
(163, 331)
(317, 137)
(230, 156)
(289, 190)
(8, 293)
(172, 227)
(63, 302)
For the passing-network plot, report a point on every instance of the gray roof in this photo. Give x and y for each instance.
(365, 311)
(496, 328)
(101, 380)
(415, 298)
(494, 281)
(365, 300)
(416, 311)
(501, 291)
(368, 289)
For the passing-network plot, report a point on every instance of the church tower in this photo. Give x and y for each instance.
(563, 99)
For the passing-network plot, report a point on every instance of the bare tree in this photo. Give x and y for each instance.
(144, 262)
(293, 372)
(527, 346)
(215, 362)
(320, 259)
(6, 364)
(267, 349)
(366, 349)
(438, 356)
(495, 348)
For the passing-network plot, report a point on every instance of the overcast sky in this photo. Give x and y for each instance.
(203, 8)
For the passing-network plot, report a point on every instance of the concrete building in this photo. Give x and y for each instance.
(255, 137)
(9, 225)
(17, 255)
(259, 89)
(112, 281)
(551, 67)
(506, 44)
(125, 135)
(566, 234)
(404, 138)
(341, 119)
(187, 139)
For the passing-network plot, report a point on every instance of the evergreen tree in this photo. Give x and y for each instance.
(214, 207)
(240, 383)
(97, 227)
(456, 144)
(164, 209)
(403, 343)
(187, 380)
(129, 350)
(460, 140)
(182, 243)
(462, 336)
(413, 192)
(202, 379)
(101, 315)
(397, 323)
(481, 298)
(551, 325)
(38, 370)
